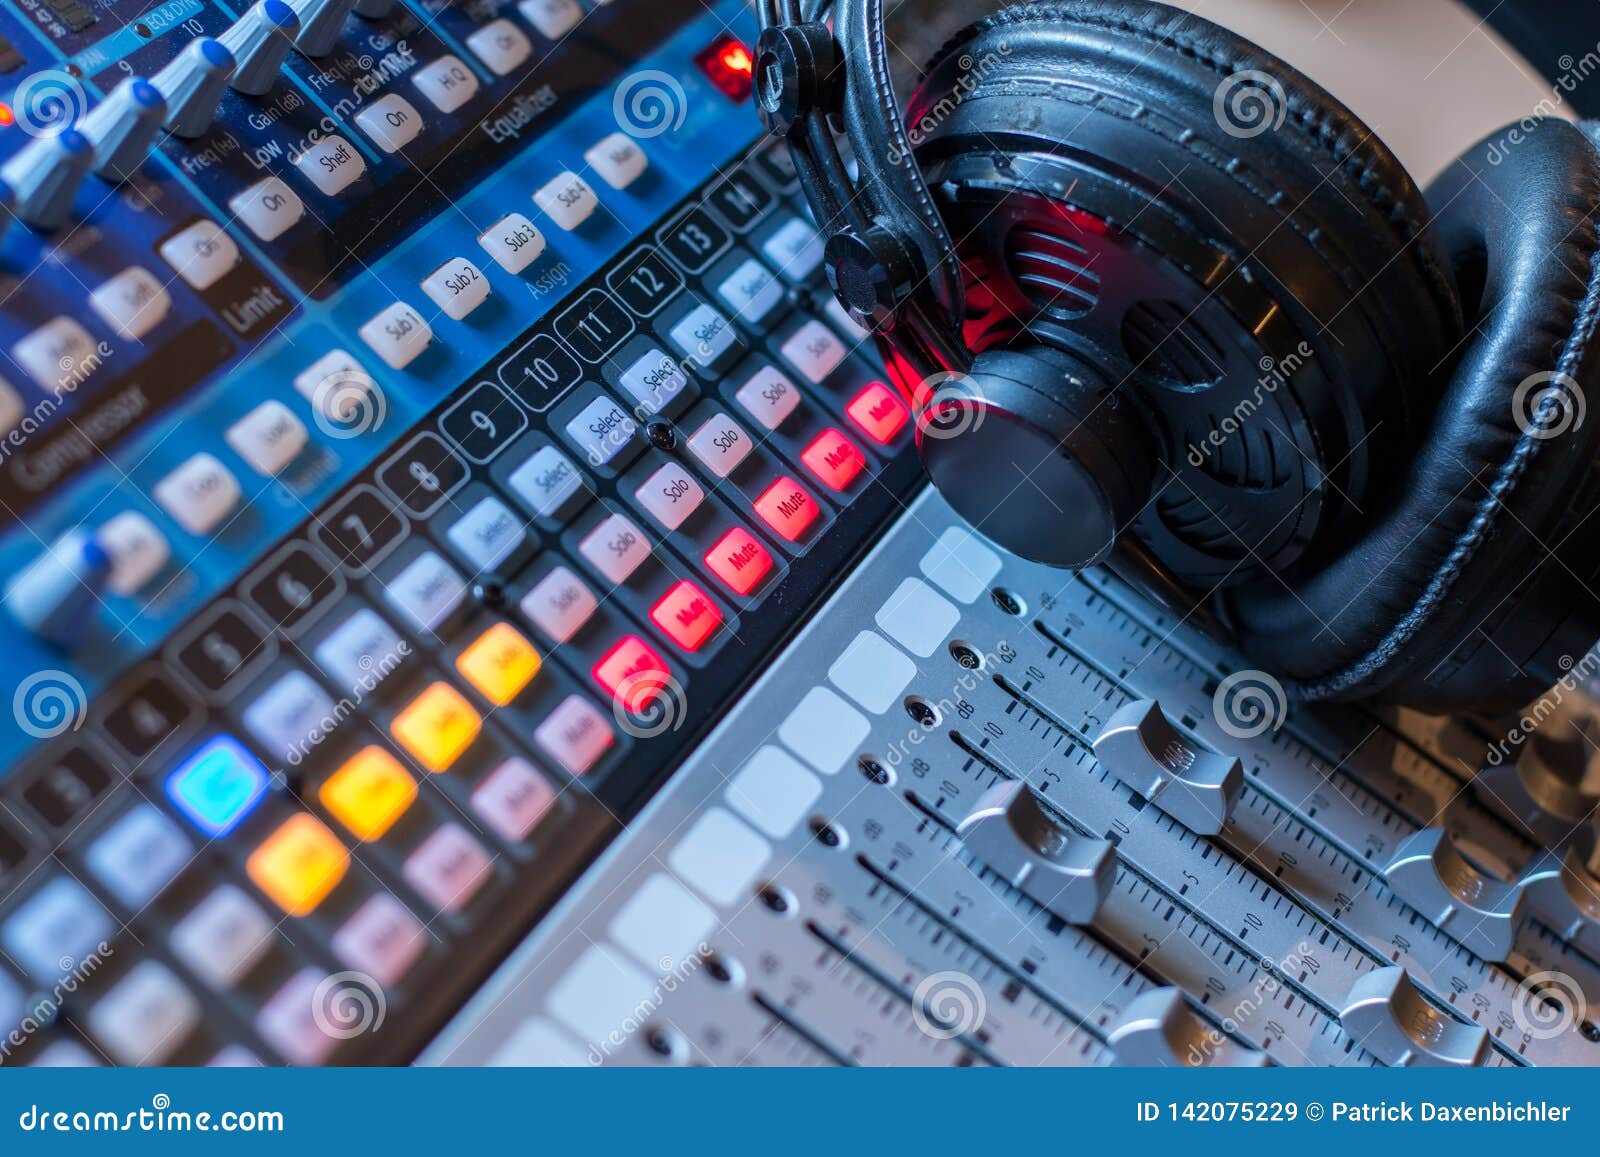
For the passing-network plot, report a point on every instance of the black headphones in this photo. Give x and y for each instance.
(1163, 302)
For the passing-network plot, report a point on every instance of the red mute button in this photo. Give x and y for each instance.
(632, 674)
(739, 560)
(687, 615)
(834, 459)
(879, 411)
(787, 508)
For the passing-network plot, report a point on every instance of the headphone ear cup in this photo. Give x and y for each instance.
(1462, 544)
(1251, 241)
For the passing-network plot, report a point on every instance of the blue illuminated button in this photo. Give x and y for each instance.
(218, 785)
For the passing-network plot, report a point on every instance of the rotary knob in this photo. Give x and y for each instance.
(124, 126)
(1040, 453)
(1389, 1018)
(1065, 873)
(260, 40)
(321, 23)
(1479, 911)
(1159, 1030)
(45, 175)
(1192, 783)
(193, 85)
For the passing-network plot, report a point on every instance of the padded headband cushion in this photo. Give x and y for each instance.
(1317, 204)
(1488, 492)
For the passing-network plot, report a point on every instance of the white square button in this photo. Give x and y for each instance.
(617, 160)
(553, 18)
(397, 335)
(719, 856)
(457, 287)
(391, 121)
(773, 791)
(269, 437)
(332, 165)
(199, 494)
(917, 617)
(670, 495)
(872, 672)
(268, 208)
(446, 83)
(960, 564)
(137, 550)
(568, 200)
(720, 444)
(662, 923)
(513, 241)
(336, 384)
(501, 45)
(201, 254)
(616, 547)
(824, 730)
(133, 302)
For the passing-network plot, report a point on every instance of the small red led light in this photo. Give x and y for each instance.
(7, 117)
(727, 63)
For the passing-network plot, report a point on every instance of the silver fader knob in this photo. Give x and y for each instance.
(1547, 802)
(1480, 912)
(321, 23)
(1159, 1030)
(1564, 893)
(1389, 1018)
(124, 126)
(260, 40)
(193, 85)
(1068, 874)
(1186, 779)
(45, 175)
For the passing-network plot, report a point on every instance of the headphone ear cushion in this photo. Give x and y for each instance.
(1493, 483)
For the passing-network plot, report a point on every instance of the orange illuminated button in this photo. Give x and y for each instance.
(631, 673)
(368, 793)
(834, 459)
(739, 560)
(499, 663)
(879, 411)
(787, 508)
(299, 864)
(437, 726)
(687, 615)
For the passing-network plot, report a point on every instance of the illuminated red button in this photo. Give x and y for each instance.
(687, 615)
(787, 508)
(879, 411)
(632, 673)
(834, 459)
(739, 560)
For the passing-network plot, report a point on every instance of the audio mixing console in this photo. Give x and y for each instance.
(469, 597)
